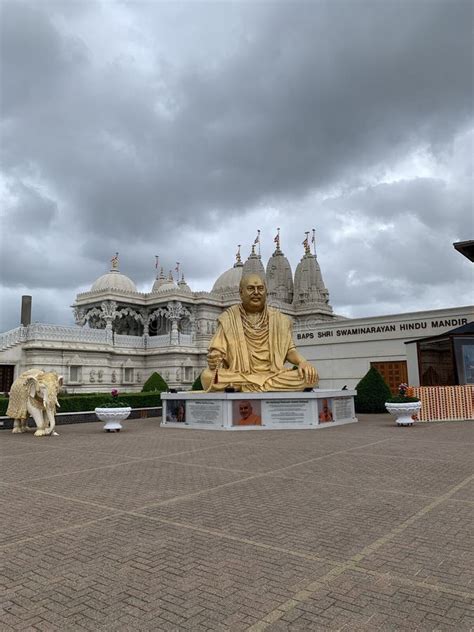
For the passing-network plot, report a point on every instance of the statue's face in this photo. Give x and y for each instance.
(253, 293)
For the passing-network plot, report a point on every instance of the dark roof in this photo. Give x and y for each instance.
(466, 248)
(468, 328)
(464, 330)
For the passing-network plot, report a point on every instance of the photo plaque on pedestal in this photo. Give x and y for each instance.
(287, 411)
(342, 408)
(208, 412)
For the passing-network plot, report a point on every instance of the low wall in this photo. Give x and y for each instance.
(6, 423)
(445, 403)
(283, 410)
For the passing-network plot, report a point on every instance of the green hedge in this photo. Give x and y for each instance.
(89, 401)
(155, 383)
(197, 385)
(372, 393)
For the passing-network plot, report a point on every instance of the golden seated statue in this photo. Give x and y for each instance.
(251, 345)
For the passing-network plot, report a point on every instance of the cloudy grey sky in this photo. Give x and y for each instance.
(179, 129)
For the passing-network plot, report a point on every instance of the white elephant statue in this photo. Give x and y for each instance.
(35, 393)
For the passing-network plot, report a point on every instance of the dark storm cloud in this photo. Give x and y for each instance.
(29, 208)
(401, 243)
(425, 200)
(35, 59)
(231, 109)
(294, 109)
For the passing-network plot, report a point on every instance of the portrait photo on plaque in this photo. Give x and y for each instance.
(176, 410)
(325, 411)
(246, 412)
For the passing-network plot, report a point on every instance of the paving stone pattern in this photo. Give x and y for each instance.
(360, 527)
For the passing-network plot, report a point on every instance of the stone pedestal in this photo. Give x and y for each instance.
(258, 411)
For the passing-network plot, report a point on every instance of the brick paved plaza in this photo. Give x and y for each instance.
(360, 527)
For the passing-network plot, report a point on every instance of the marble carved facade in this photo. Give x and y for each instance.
(122, 335)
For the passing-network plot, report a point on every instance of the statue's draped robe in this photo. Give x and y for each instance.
(254, 356)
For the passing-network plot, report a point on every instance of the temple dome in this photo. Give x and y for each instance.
(230, 279)
(167, 286)
(279, 278)
(114, 280)
(254, 265)
(164, 284)
(309, 287)
(159, 282)
(183, 286)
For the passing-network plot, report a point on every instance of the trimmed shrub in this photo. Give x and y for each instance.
(155, 383)
(90, 401)
(81, 403)
(143, 400)
(197, 385)
(372, 393)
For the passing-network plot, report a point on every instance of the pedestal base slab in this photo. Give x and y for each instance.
(258, 411)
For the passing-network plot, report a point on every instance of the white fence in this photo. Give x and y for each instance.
(129, 342)
(157, 342)
(12, 338)
(38, 332)
(58, 333)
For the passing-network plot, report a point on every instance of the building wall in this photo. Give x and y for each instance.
(343, 350)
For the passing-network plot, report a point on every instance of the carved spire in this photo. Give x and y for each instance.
(309, 288)
(183, 285)
(307, 249)
(238, 260)
(254, 265)
(277, 242)
(279, 275)
(115, 263)
(256, 242)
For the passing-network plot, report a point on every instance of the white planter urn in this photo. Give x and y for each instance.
(403, 412)
(113, 417)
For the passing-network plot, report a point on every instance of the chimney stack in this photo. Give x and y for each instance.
(26, 310)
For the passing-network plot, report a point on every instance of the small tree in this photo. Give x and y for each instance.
(372, 393)
(197, 385)
(155, 383)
